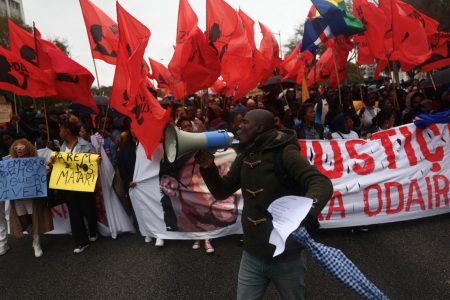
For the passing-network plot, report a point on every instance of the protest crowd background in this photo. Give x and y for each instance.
(211, 83)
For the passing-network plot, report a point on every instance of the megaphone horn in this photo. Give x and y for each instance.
(177, 142)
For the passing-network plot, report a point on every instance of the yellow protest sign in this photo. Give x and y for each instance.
(74, 171)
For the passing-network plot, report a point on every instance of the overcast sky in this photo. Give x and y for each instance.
(63, 19)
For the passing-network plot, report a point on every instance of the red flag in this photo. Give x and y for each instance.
(194, 62)
(297, 63)
(374, 20)
(130, 94)
(187, 20)
(102, 32)
(219, 86)
(249, 28)
(440, 58)
(23, 78)
(150, 119)
(332, 63)
(72, 81)
(409, 35)
(225, 30)
(321, 71)
(21, 43)
(165, 80)
(381, 65)
(270, 49)
(341, 48)
(429, 24)
(260, 64)
(365, 56)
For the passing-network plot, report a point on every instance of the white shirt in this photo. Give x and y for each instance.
(368, 115)
(346, 136)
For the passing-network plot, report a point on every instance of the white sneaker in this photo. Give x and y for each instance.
(196, 245)
(37, 251)
(4, 250)
(159, 242)
(148, 239)
(208, 247)
(80, 249)
(37, 246)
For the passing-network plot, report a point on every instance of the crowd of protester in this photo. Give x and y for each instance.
(327, 114)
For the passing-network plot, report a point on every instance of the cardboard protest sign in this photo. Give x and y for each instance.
(74, 171)
(23, 178)
(5, 110)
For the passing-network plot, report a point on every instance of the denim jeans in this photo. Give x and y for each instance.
(3, 226)
(286, 273)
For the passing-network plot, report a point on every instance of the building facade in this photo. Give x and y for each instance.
(12, 9)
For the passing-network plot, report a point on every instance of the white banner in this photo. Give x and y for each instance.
(399, 174)
(180, 206)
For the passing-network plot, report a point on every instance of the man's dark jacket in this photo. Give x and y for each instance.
(255, 172)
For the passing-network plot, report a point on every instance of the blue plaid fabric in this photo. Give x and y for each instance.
(339, 266)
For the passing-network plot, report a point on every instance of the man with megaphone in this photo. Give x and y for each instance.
(269, 167)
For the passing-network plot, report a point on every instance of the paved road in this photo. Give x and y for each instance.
(408, 260)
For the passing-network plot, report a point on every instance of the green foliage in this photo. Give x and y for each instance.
(293, 41)
(354, 73)
(61, 44)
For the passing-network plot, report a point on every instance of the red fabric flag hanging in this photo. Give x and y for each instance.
(161, 74)
(341, 48)
(21, 43)
(409, 35)
(194, 61)
(131, 92)
(381, 65)
(429, 24)
(187, 20)
(440, 58)
(165, 80)
(260, 64)
(150, 119)
(270, 49)
(219, 86)
(321, 71)
(23, 78)
(374, 20)
(288, 64)
(102, 31)
(296, 64)
(249, 81)
(365, 56)
(226, 32)
(72, 81)
(249, 28)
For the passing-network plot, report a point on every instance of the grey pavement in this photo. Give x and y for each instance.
(407, 260)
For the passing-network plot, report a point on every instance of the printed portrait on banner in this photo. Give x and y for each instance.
(187, 203)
